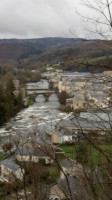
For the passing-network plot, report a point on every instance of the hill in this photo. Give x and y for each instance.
(22, 48)
(36, 53)
(94, 54)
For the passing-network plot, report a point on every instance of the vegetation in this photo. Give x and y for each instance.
(30, 102)
(98, 58)
(7, 147)
(10, 104)
(86, 151)
(3, 157)
(62, 97)
(67, 109)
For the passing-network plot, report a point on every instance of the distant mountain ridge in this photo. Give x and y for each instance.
(22, 48)
(47, 42)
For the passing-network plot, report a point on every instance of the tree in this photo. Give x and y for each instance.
(82, 153)
(63, 96)
(99, 19)
(7, 147)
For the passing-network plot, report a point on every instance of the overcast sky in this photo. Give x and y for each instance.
(39, 18)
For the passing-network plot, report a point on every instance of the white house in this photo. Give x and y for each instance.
(35, 154)
(10, 171)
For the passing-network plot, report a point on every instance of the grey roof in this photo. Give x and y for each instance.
(79, 98)
(42, 150)
(79, 80)
(75, 74)
(82, 123)
(77, 190)
(97, 116)
(99, 96)
(69, 84)
(9, 163)
(109, 84)
(68, 163)
(24, 151)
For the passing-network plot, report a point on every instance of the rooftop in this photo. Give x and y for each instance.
(9, 163)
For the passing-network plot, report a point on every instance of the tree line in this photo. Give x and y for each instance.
(10, 103)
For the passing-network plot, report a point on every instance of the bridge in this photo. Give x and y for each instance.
(33, 93)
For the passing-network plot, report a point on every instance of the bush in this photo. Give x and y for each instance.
(30, 102)
(54, 174)
(42, 161)
(63, 96)
(65, 109)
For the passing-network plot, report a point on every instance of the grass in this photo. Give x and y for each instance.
(98, 58)
(95, 157)
(66, 109)
(3, 157)
(30, 102)
(54, 173)
(89, 60)
(70, 151)
(67, 149)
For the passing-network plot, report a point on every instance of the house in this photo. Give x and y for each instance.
(69, 87)
(69, 102)
(11, 171)
(35, 154)
(79, 103)
(56, 137)
(69, 188)
(97, 116)
(107, 73)
(71, 167)
(77, 125)
(99, 100)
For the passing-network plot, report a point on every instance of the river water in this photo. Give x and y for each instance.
(41, 116)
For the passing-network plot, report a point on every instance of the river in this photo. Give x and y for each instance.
(41, 116)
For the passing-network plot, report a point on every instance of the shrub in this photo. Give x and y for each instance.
(42, 161)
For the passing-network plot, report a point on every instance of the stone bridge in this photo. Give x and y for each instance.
(34, 93)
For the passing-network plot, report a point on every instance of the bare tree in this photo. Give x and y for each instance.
(99, 17)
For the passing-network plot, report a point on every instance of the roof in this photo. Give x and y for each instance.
(82, 123)
(79, 98)
(43, 150)
(75, 74)
(24, 151)
(97, 116)
(93, 94)
(77, 168)
(68, 163)
(9, 163)
(77, 189)
(60, 134)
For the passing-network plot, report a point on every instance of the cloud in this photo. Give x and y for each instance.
(38, 18)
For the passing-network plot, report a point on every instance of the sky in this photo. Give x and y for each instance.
(40, 18)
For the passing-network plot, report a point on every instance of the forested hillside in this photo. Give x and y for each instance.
(76, 54)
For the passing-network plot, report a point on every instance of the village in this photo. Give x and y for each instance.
(89, 124)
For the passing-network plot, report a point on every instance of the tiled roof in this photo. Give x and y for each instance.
(9, 163)
(82, 123)
(43, 150)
